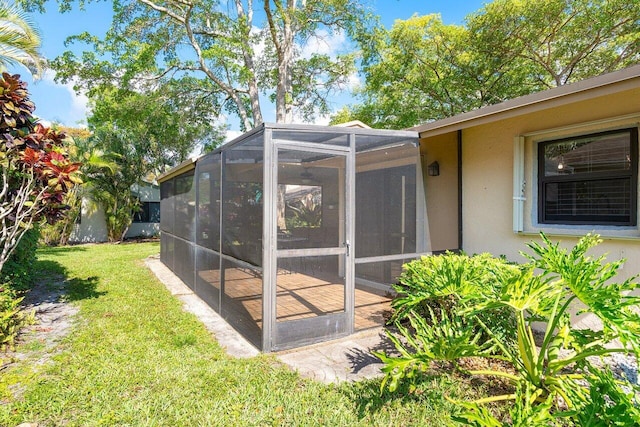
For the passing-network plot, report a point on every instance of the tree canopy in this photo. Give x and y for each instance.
(237, 51)
(136, 135)
(422, 69)
(164, 123)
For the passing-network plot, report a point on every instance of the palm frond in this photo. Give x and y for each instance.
(19, 40)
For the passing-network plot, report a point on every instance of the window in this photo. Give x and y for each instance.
(302, 205)
(589, 179)
(149, 212)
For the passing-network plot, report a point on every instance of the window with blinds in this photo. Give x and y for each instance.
(590, 179)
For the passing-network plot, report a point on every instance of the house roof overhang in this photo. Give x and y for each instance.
(183, 167)
(354, 124)
(606, 84)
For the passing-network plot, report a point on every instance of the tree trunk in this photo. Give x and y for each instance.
(281, 207)
(282, 39)
(246, 17)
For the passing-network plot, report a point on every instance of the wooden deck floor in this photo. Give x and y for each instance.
(300, 296)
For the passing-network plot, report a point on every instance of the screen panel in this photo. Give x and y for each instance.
(208, 181)
(184, 261)
(309, 286)
(310, 199)
(185, 206)
(167, 206)
(208, 277)
(386, 211)
(242, 299)
(167, 250)
(242, 204)
(328, 138)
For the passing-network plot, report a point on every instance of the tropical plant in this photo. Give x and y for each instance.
(16, 277)
(555, 377)
(19, 39)
(433, 295)
(12, 317)
(117, 164)
(95, 163)
(59, 232)
(304, 212)
(36, 175)
(36, 169)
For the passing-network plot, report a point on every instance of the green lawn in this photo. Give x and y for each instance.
(134, 358)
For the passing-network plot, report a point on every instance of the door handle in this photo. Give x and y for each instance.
(347, 246)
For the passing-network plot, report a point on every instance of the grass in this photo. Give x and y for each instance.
(135, 358)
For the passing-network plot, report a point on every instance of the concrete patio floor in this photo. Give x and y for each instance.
(346, 359)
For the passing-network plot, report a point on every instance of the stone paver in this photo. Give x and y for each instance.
(346, 359)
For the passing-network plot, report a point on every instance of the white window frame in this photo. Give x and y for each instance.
(525, 180)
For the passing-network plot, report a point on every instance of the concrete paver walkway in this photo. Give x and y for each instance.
(346, 359)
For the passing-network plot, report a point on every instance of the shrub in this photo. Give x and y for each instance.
(555, 382)
(445, 285)
(59, 232)
(17, 276)
(12, 317)
(18, 272)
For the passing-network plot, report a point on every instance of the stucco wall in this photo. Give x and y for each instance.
(487, 158)
(147, 193)
(441, 192)
(143, 229)
(92, 227)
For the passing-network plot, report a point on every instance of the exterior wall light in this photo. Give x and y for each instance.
(433, 169)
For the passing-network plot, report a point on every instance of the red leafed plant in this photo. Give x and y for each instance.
(36, 169)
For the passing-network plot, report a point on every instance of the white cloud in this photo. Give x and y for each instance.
(79, 108)
(353, 81)
(258, 43)
(324, 43)
(322, 120)
(45, 123)
(232, 134)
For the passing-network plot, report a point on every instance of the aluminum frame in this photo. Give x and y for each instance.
(275, 335)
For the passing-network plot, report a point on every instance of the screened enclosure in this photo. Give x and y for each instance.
(294, 233)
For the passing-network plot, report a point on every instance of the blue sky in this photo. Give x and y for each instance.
(59, 103)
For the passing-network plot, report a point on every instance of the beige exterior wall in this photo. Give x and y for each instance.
(487, 178)
(441, 192)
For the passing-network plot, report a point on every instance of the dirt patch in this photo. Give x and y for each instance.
(53, 321)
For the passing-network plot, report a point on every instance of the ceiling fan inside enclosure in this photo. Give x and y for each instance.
(307, 177)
